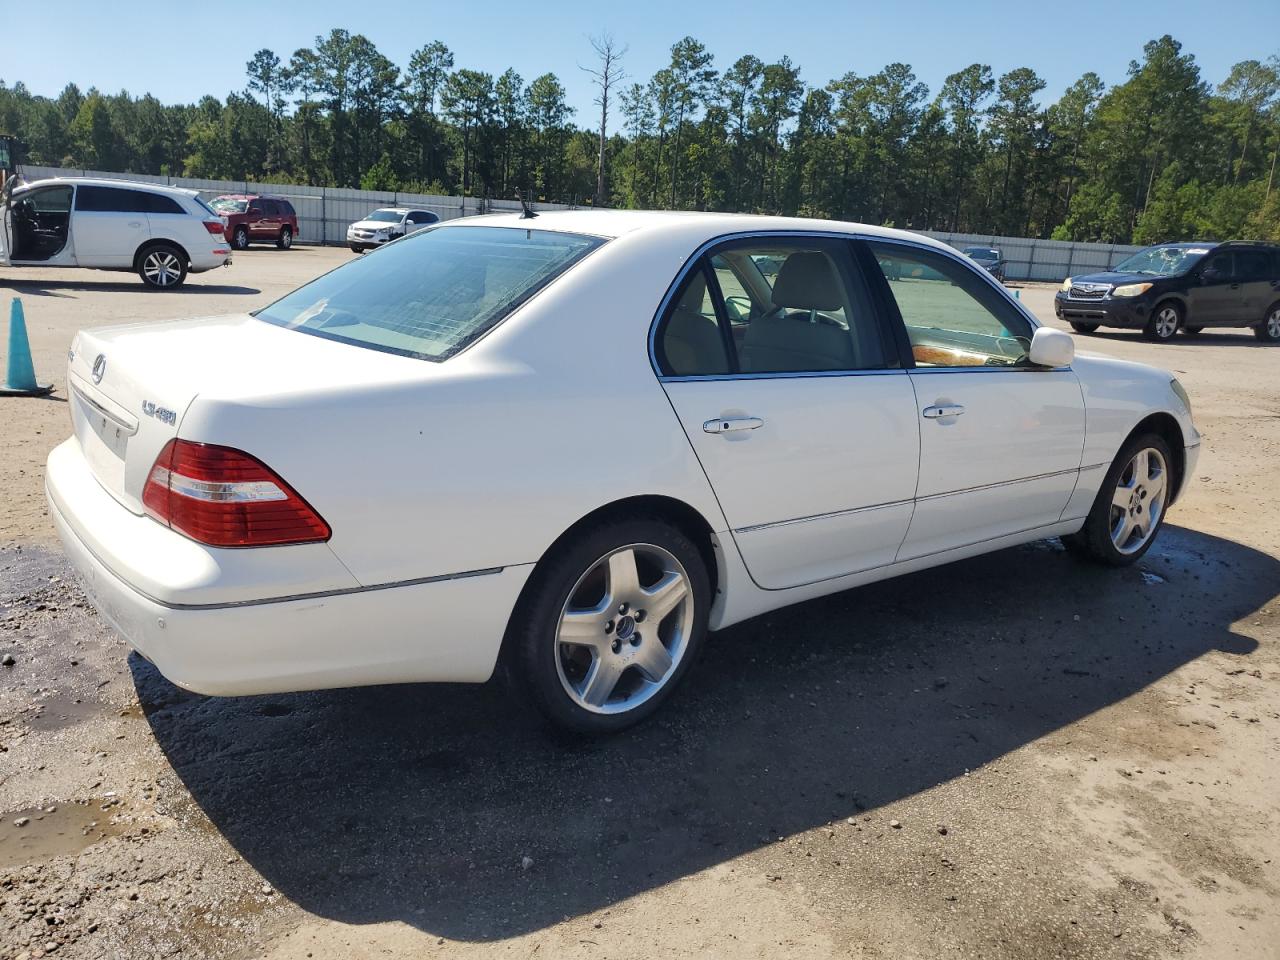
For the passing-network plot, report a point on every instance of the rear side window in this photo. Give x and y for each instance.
(118, 200)
(270, 208)
(286, 208)
(431, 295)
(1253, 265)
(772, 307)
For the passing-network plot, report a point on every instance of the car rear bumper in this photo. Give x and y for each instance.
(446, 628)
(1110, 312)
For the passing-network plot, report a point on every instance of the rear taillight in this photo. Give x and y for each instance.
(214, 227)
(226, 498)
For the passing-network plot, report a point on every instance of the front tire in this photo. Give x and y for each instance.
(1165, 320)
(611, 624)
(286, 238)
(1268, 331)
(1084, 327)
(240, 238)
(162, 266)
(1129, 509)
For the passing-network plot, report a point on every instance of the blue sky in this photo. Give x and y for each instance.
(180, 52)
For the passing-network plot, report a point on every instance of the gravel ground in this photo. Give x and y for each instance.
(1026, 758)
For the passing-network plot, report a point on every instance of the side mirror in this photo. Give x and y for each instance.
(1051, 348)
(1210, 275)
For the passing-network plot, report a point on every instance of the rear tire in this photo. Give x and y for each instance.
(1130, 507)
(1085, 327)
(1268, 331)
(1165, 320)
(286, 238)
(240, 238)
(162, 266)
(634, 596)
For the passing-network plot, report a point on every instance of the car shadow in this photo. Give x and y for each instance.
(420, 803)
(50, 288)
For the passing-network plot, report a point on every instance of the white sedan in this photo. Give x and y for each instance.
(579, 442)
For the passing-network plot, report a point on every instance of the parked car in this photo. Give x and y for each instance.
(549, 442)
(255, 218)
(161, 233)
(1180, 286)
(989, 259)
(386, 224)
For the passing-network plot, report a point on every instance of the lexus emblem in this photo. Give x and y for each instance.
(99, 367)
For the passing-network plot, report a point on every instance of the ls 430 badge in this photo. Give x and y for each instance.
(163, 414)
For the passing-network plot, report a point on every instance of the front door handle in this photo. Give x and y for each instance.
(134, 223)
(731, 424)
(943, 410)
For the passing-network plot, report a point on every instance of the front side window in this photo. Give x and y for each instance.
(1219, 268)
(433, 294)
(953, 315)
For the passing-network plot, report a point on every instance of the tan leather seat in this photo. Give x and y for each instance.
(784, 341)
(691, 341)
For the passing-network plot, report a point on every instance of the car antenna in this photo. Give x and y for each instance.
(524, 205)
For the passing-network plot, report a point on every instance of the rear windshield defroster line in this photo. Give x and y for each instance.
(431, 294)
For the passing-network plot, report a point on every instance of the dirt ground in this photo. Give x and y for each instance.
(1025, 758)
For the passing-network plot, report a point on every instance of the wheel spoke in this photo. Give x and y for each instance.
(664, 596)
(624, 578)
(1141, 468)
(600, 681)
(652, 659)
(1122, 530)
(1122, 496)
(584, 628)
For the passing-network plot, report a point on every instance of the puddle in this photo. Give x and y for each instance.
(1149, 577)
(63, 710)
(69, 829)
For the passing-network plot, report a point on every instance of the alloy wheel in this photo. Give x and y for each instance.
(1138, 503)
(1273, 324)
(162, 268)
(1166, 323)
(624, 628)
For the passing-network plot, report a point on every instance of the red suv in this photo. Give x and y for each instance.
(249, 218)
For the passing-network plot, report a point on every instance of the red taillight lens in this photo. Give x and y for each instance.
(214, 227)
(226, 498)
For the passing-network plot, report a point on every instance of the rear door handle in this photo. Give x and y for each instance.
(943, 410)
(134, 223)
(731, 424)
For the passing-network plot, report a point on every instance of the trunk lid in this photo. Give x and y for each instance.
(130, 386)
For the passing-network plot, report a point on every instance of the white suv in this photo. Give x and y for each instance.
(386, 224)
(159, 232)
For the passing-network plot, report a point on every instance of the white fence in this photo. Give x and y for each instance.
(1029, 259)
(325, 212)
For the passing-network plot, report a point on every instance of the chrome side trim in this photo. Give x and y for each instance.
(897, 503)
(782, 376)
(820, 516)
(1000, 483)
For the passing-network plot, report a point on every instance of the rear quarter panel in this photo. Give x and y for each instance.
(484, 460)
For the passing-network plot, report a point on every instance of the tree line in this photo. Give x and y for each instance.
(1163, 155)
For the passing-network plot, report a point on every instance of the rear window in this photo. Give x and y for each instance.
(227, 205)
(432, 294)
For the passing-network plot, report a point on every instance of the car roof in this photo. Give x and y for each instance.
(249, 196)
(106, 182)
(617, 223)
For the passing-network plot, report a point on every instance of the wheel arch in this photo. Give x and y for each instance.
(688, 518)
(1165, 426)
(158, 242)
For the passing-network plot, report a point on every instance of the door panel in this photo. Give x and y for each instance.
(1216, 297)
(1007, 463)
(823, 486)
(108, 239)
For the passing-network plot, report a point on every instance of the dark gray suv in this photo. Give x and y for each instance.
(1180, 286)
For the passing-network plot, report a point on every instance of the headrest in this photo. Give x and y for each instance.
(808, 281)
